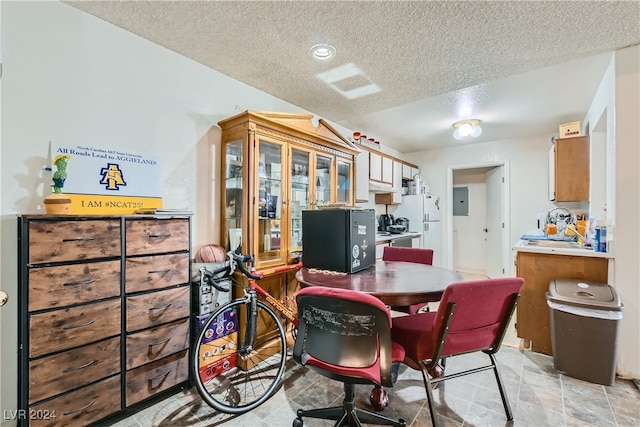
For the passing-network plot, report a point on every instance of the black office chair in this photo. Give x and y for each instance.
(346, 336)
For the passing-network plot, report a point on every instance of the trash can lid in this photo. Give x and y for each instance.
(584, 293)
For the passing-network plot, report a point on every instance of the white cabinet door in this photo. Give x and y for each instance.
(362, 176)
(397, 182)
(375, 166)
(406, 171)
(387, 170)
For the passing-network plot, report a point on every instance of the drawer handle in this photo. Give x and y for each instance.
(80, 282)
(88, 405)
(80, 325)
(161, 376)
(79, 239)
(160, 235)
(160, 342)
(160, 271)
(86, 365)
(161, 307)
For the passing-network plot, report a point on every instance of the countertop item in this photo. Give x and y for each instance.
(558, 248)
(384, 238)
(396, 229)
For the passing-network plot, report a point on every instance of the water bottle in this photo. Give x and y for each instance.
(600, 237)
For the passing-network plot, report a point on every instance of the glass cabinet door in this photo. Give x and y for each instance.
(343, 182)
(299, 199)
(269, 201)
(234, 195)
(322, 181)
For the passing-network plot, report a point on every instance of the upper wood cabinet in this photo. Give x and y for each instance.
(569, 170)
(274, 166)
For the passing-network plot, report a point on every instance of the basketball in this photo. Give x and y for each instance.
(211, 254)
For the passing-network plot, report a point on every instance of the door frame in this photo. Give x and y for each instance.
(505, 251)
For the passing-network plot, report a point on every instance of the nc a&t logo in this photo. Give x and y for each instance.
(112, 177)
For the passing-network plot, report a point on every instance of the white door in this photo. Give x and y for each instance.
(495, 222)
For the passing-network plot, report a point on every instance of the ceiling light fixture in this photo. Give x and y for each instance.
(464, 128)
(322, 52)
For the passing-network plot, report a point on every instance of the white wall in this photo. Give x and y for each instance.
(71, 77)
(528, 177)
(626, 206)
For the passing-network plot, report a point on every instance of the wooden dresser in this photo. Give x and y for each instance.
(104, 308)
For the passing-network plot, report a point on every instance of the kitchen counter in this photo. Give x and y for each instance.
(523, 246)
(540, 263)
(384, 239)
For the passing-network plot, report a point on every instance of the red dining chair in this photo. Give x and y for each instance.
(473, 316)
(402, 253)
(345, 335)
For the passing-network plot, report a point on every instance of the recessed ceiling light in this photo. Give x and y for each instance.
(322, 52)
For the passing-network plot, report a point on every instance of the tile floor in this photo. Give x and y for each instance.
(539, 396)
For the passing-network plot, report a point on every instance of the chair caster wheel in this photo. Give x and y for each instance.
(297, 422)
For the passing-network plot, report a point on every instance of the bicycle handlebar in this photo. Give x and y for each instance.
(241, 260)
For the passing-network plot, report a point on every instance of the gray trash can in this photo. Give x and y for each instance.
(584, 329)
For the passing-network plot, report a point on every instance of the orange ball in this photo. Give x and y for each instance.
(211, 254)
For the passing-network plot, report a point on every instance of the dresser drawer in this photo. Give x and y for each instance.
(156, 272)
(149, 236)
(53, 287)
(156, 308)
(58, 330)
(154, 344)
(71, 369)
(81, 407)
(155, 377)
(56, 241)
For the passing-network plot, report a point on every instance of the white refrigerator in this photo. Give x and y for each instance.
(424, 216)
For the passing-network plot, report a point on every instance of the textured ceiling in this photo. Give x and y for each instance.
(434, 62)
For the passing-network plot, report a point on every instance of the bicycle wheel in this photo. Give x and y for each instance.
(231, 374)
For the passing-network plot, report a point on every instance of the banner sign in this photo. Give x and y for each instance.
(100, 180)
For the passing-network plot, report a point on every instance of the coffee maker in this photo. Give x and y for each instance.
(385, 220)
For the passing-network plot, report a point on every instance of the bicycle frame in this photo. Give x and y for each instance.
(279, 306)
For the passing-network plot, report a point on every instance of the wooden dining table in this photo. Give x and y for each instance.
(396, 283)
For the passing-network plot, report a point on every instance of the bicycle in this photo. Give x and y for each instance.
(240, 353)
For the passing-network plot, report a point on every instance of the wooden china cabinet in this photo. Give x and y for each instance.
(274, 166)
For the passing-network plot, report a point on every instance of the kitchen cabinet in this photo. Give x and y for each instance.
(375, 166)
(569, 170)
(394, 195)
(97, 297)
(537, 270)
(397, 182)
(362, 177)
(380, 168)
(408, 171)
(274, 166)
(387, 170)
